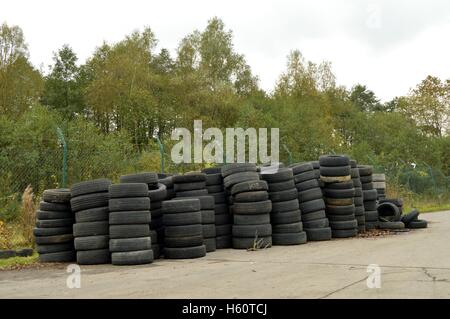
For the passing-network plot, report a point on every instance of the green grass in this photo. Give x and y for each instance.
(18, 262)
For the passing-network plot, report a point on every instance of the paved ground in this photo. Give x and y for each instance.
(413, 265)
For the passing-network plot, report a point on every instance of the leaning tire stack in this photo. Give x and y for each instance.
(183, 229)
(358, 199)
(233, 174)
(287, 227)
(338, 191)
(312, 206)
(379, 183)
(129, 218)
(53, 232)
(251, 215)
(157, 193)
(370, 197)
(91, 231)
(223, 218)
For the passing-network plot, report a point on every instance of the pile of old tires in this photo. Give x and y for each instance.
(311, 203)
(411, 220)
(338, 191)
(379, 183)
(53, 232)
(287, 227)
(183, 230)
(358, 199)
(89, 202)
(157, 192)
(251, 215)
(223, 219)
(234, 174)
(370, 196)
(129, 230)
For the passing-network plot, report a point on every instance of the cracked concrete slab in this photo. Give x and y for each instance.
(413, 265)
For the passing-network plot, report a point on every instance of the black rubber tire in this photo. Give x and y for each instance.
(318, 223)
(139, 257)
(318, 234)
(366, 179)
(365, 170)
(52, 231)
(58, 257)
(391, 225)
(286, 206)
(281, 239)
(339, 225)
(253, 196)
(221, 219)
(304, 186)
(234, 179)
(341, 186)
(219, 198)
(370, 195)
(249, 186)
(183, 230)
(234, 168)
(182, 187)
(344, 233)
(91, 242)
(209, 230)
(252, 208)
(223, 242)
(193, 193)
(307, 217)
(310, 194)
(130, 244)
(92, 215)
(411, 216)
(283, 174)
(334, 160)
(281, 186)
(248, 243)
(55, 223)
(340, 218)
(91, 229)
(303, 177)
(128, 190)
(358, 201)
(339, 201)
(287, 228)
(128, 231)
(389, 211)
(282, 196)
(8, 253)
(145, 177)
(59, 195)
(54, 248)
(208, 217)
(212, 189)
(206, 202)
(188, 218)
(299, 168)
(180, 242)
(339, 193)
(130, 217)
(251, 219)
(181, 205)
(210, 244)
(371, 215)
(263, 230)
(185, 253)
(335, 170)
(55, 207)
(371, 225)
(357, 182)
(367, 187)
(56, 239)
(89, 187)
(159, 194)
(215, 179)
(370, 205)
(312, 206)
(416, 224)
(88, 201)
(191, 177)
(129, 204)
(223, 230)
(359, 210)
(286, 217)
(93, 257)
(213, 170)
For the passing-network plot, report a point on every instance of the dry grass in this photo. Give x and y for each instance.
(27, 216)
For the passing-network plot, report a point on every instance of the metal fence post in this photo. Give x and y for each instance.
(161, 151)
(63, 143)
(289, 154)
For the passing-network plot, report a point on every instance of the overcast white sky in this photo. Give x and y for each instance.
(388, 45)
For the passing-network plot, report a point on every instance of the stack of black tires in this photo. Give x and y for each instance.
(157, 192)
(338, 191)
(91, 231)
(223, 218)
(251, 214)
(183, 229)
(287, 227)
(370, 196)
(129, 218)
(233, 174)
(191, 184)
(358, 199)
(53, 232)
(312, 206)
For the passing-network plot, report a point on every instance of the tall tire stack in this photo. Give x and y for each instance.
(379, 183)
(183, 229)
(358, 199)
(233, 174)
(286, 220)
(91, 231)
(223, 218)
(191, 184)
(129, 230)
(53, 232)
(370, 196)
(155, 190)
(251, 215)
(312, 207)
(338, 191)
